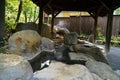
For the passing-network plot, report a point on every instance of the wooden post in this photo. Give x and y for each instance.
(48, 19)
(52, 24)
(2, 22)
(40, 19)
(95, 17)
(95, 27)
(80, 30)
(109, 30)
(52, 21)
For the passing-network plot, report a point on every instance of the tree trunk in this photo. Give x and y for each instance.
(35, 9)
(19, 11)
(36, 19)
(2, 21)
(25, 15)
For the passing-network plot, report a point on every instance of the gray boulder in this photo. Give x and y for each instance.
(24, 43)
(91, 51)
(102, 70)
(14, 67)
(96, 77)
(47, 44)
(60, 71)
(70, 38)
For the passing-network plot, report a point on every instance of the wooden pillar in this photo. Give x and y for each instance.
(95, 17)
(109, 30)
(80, 19)
(40, 19)
(52, 21)
(52, 24)
(48, 19)
(95, 27)
(2, 22)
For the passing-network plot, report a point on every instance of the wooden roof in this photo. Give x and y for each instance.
(94, 7)
(91, 6)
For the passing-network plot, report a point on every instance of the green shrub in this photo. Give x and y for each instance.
(115, 41)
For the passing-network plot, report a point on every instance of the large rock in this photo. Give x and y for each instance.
(79, 56)
(70, 38)
(102, 70)
(61, 25)
(47, 44)
(61, 30)
(24, 43)
(96, 77)
(62, 53)
(60, 71)
(91, 38)
(14, 67)
(91, 51)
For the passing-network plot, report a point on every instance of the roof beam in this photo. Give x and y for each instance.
(56, 13)
(104, 5)
(79, 5)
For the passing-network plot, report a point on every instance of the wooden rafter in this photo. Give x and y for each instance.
(56, 13)
(104, 5)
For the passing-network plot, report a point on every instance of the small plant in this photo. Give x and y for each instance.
(100, 36)
(115, 41)
(3, 51)
(83, 35)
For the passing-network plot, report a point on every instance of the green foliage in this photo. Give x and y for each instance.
(83, 35)
(29, 7)
(115, 41)
(11, 8)
(117, 11)
(2, 51)
(11, 12)
(114, 38)
(100, 36)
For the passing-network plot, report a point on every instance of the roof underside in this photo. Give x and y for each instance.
(91, 6)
